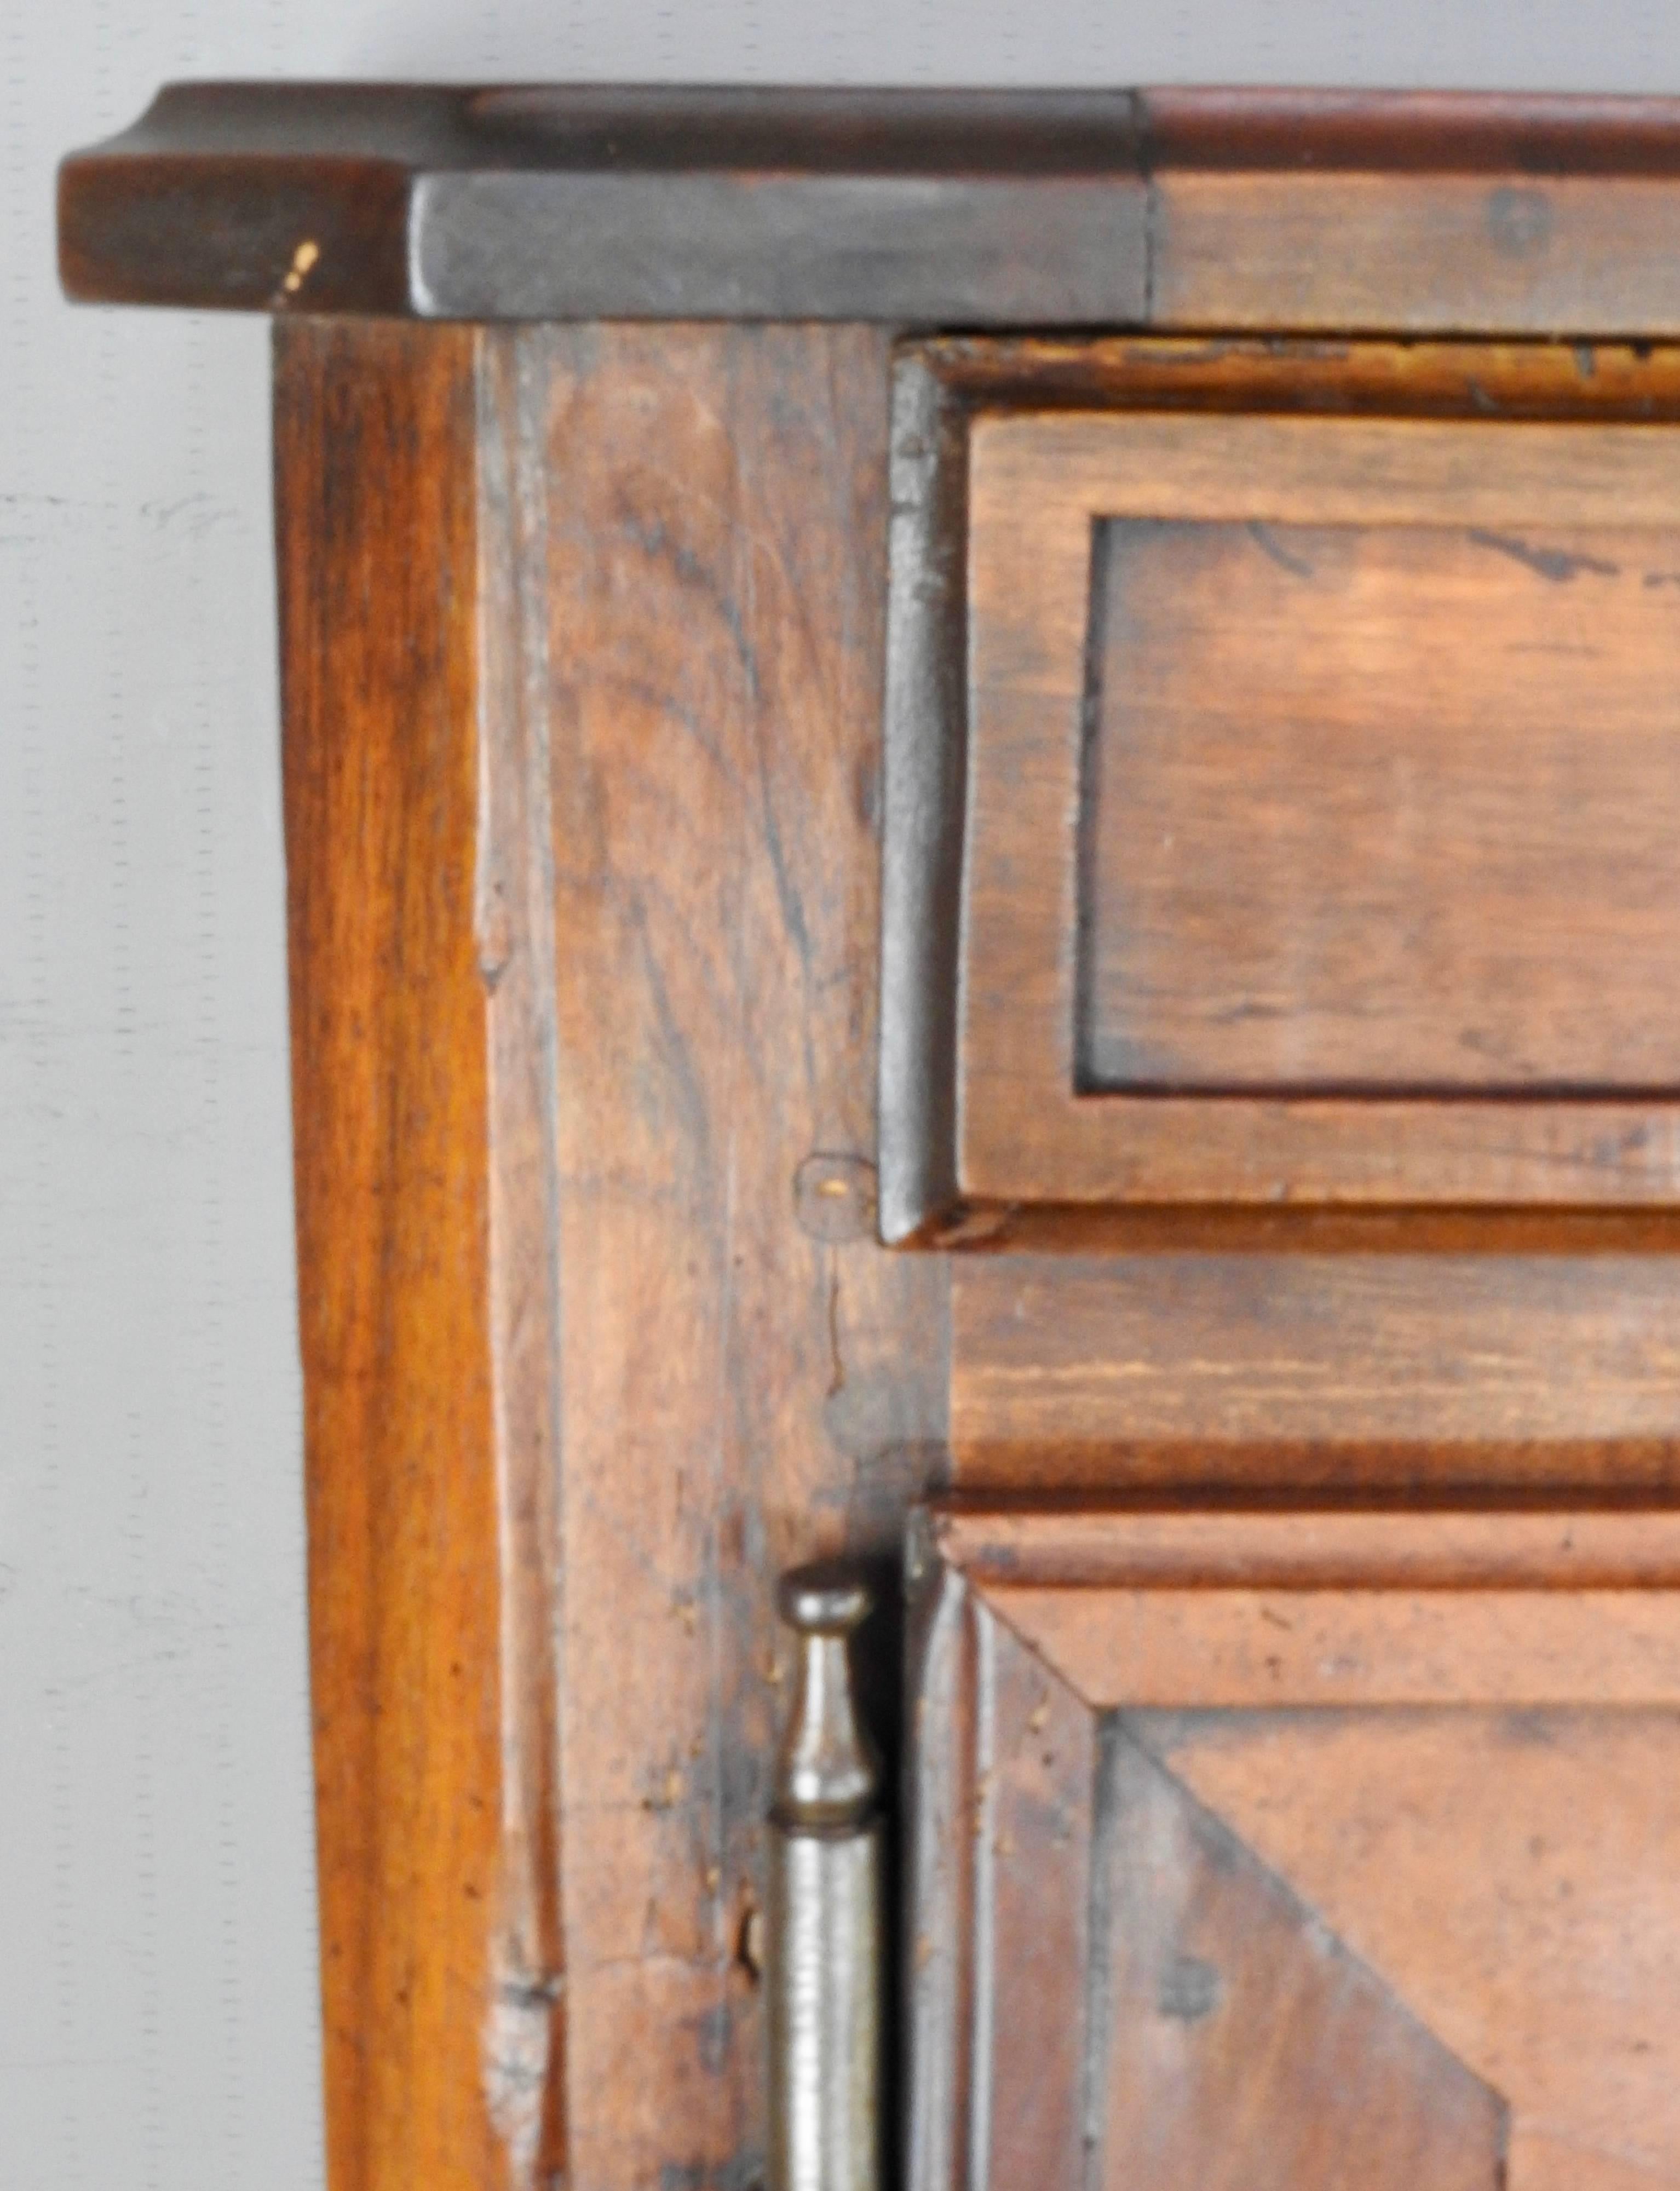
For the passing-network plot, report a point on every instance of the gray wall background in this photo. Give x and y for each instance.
(158, 2026)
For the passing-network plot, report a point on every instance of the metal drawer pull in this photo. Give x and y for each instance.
(824, 1939)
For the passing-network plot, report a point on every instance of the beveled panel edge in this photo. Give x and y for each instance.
(1037, 485)
(1301, 1605)
(923, 756)
(1314, 469)
(942, 385)
(981, 208)
(1532, 1594)
(940, 1979)
(1303, 1542)
(976, 1885)
(1266, 1650)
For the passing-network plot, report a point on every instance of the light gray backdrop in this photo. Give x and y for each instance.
(157, 2013)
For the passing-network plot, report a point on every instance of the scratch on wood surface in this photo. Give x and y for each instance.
(524, 2042)
(516, 2047)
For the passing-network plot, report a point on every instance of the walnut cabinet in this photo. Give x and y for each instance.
(983, 802)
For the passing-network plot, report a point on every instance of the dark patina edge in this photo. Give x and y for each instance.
(912, 208)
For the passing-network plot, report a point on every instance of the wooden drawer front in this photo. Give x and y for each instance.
(1320, 812)
(1311, 1850)
(1457, 1373)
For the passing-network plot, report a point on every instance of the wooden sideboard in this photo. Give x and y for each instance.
(982, 801)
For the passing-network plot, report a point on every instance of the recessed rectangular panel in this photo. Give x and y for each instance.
(1382, 808)
(1323, 777)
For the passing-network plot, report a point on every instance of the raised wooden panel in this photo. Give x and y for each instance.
(1392, 1935)
(1380, 808)
(1204, 1940)
(1316, 801)
(1040, 489)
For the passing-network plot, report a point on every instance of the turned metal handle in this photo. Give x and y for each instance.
(824, 1939)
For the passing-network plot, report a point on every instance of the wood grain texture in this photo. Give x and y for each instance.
(944, 1968)
(1430, 212)
(1246, 2049)
(1192, 209)
(1297, 1544)
(746, 1379)
(566, 203)
(1381, 807)
(1269, 468)
(421, 1170)
(1355, 1371)
(1066, 399)
(1331, 1649)
(1000, 1860)
(1283, 374)
(1510, 1876)
(1551, 254)
(1038, 487)
(1435, 1934)
(923, 802)
(583, 644)
(1037, 1759)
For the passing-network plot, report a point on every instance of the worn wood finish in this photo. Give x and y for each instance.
(1189, 209)
(1036, 1754)
(1322, 1648)
(999, 1850)
(1292, 470)
(1036, 488)
(1295, 1543)
(423, 1186)
(1249, 1846)
(613, 746)
(1453, 861)
(947, 393)
(1404, 1944)
(1552, 253)
(1349, 1371)
(582, 643)
(1429, 211)
(633, 202)
(1280, 374)
(998, 882)
(1339, 2083)
(745, 1379)
(1505, 1872)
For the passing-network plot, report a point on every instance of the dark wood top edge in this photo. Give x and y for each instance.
(1409, 132)
(620, 129)
(603, 201)
(639, 128)
(922, 209)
